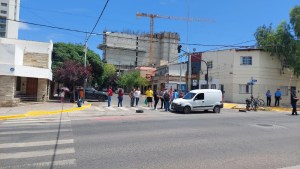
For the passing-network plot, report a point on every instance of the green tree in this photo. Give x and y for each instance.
(75, 52)
(132, 79)
(282, 42)
(109, 75)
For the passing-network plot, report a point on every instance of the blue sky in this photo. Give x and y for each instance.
(235, 21)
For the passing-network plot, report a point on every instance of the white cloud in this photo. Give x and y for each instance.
(24, 26)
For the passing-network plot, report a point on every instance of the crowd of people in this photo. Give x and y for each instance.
(164, 96)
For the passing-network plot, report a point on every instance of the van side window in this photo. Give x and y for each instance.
(200, 96)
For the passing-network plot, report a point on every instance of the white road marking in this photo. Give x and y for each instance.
(36, 121)
(123, 108)
(111, 108)
(34, 131)
(147, 108)
(45, 164)
(33, 144)
(292, 167)
(29, 154)
(30, 124)
(99, 109)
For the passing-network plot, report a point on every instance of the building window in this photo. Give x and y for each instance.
(3, 12)
(284, 90)
(2, 20)
(213, 86)
(3, 4)
(245, 89)
(203, 86)
(2, 34)
(210, 64)
(246, 60)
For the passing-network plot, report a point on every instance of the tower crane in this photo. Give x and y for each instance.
(152, 16)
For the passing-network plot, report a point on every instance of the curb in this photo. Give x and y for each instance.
(43, 112)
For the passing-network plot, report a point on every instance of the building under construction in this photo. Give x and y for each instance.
(129, 50)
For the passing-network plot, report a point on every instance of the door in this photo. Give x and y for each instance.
(31, 87)
(199, 103)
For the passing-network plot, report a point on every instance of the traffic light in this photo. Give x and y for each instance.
(206, 77)
(179, 48)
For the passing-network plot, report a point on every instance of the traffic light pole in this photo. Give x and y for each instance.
(190, 62)
(206, 73)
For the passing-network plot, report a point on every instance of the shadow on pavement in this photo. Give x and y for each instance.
(194, 112)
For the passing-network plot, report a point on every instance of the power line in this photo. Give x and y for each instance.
(49, 26)
(98, 20)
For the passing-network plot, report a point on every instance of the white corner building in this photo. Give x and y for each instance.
(25, 66)
(232, 70)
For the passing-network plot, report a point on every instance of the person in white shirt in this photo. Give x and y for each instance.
(137, 95)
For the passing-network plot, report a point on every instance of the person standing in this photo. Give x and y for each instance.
(58, 92)
(109, 95)
(294, 100)
(180, 94)
(175, 95)
(156, 99)
(277, 97)
(120, 97)
(131, 96)
(162, 101)
(269, 96)
(81, 93)
(137, 95)
(167, 100)
(149, 94)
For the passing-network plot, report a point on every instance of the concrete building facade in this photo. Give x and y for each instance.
(232, 70)
(9, 11)
(169, 75)
(25, 70)
(127, 51)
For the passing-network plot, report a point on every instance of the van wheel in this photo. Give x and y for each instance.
(186, 110)
(217, 109)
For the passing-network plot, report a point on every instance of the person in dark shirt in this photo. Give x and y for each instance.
(120, 97)
(269, 96)
(294, 100)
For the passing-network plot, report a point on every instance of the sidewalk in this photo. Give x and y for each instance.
(38, 109)
(243, 106)
(54, 107)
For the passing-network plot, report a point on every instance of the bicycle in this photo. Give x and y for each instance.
(254, 103)
(260, 102)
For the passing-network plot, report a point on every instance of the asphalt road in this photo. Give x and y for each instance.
(153, 139)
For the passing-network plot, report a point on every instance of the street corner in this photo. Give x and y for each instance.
(231, 106)
(14, 116)
(52, 112)
(44, 112)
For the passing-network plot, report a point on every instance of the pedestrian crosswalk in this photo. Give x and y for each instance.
(116, 108)
(37, 142)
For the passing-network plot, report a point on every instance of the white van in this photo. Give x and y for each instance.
(199, 100)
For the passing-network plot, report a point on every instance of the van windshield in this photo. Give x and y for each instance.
(189, 96)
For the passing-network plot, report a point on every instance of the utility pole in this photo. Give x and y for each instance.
(251, 87)
(190, 71)
(119, 68)
(180, 76)
(85, 51)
